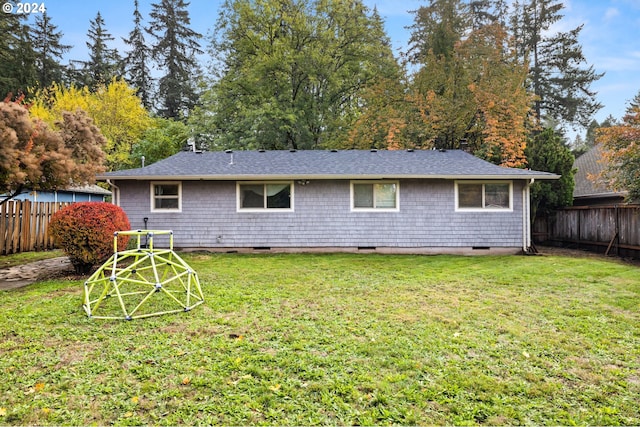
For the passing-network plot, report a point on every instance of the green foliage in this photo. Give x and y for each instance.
(104, 62)
(164, 139)
(17, 57)
(546, 152)
(292, 73)
(341, 339)
(175, 51)
(558, 74)
(84, 231)
(48, 51)
(136, 61)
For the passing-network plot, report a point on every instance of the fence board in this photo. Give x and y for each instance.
(615, 229)
(24, 225)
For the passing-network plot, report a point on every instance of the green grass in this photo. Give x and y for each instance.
(338, 339)
(27, 257)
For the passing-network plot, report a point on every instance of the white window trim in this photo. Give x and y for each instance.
(239, 207)
(153, 196)
(385, 181)
(509, 209)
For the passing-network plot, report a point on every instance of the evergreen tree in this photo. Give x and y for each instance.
(48, 51)
(104, 62)
(17, 58)
(547, 152)
(136, 62)
(175, 51)
(558, 73)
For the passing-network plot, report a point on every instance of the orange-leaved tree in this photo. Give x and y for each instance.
(35, 157)
(621, 152)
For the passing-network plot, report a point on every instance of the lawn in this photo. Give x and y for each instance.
(342, 339)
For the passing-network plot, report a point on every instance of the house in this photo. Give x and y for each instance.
(588, 190)
(85, 193)
(422, 201)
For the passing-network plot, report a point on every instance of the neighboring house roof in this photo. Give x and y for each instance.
(589, 166)
(324, 164)
(90, 189)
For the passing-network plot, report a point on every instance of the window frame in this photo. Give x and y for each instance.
(483, 208)
(239, 207)
(352, 201)
(153, 197)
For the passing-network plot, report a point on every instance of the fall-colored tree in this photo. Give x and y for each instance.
(470, 85)
(114, 108)
(33, 156)
(621, 152)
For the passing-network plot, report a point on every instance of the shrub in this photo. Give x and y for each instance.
(85, 230)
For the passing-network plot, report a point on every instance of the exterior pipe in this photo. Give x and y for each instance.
(115, 191)
(526, 216)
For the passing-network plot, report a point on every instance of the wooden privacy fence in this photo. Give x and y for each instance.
(24, 225)
(613, 230)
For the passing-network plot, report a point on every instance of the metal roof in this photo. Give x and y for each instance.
(323, 164)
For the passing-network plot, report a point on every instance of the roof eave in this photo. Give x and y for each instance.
(288, 177)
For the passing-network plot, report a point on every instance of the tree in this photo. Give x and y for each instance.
(621, 151)
(470, 85)
(558, 74)
(114, 108)
(17, 58)
(104, 62)
(546, 152)
(292, 72)
(136, 62)
(164, 139)
(175, 51)
(34, 156)
(48, 51)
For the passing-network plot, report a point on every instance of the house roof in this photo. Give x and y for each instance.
(589, 166)
(323, 164)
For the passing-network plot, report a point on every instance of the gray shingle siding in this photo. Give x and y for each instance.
(322, 217)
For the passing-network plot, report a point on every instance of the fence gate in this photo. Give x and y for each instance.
(24, 225)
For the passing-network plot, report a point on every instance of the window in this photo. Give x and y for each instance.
(483, 195)
(265, 196)
(166, 196)
(374, 195)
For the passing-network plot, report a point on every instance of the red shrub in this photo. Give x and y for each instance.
(85, 232)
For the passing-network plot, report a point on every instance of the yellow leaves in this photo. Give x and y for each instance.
(186, 381)
(39, 387)
(3, 412)
(114, 108)
(135, 400)
(275, 387)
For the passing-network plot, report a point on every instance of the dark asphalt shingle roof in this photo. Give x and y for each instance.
(323, 164)
(588, 166)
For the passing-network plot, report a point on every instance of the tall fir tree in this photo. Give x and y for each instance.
(104, 62)
(17, 58)
(136, 61)
(175, 51)
(558, 71)
(48, 51)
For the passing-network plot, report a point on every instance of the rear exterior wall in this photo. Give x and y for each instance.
(322, 218)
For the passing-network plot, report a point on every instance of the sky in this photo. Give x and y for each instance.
(609, 37)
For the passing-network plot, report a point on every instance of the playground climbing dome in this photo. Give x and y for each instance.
(142, 282)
